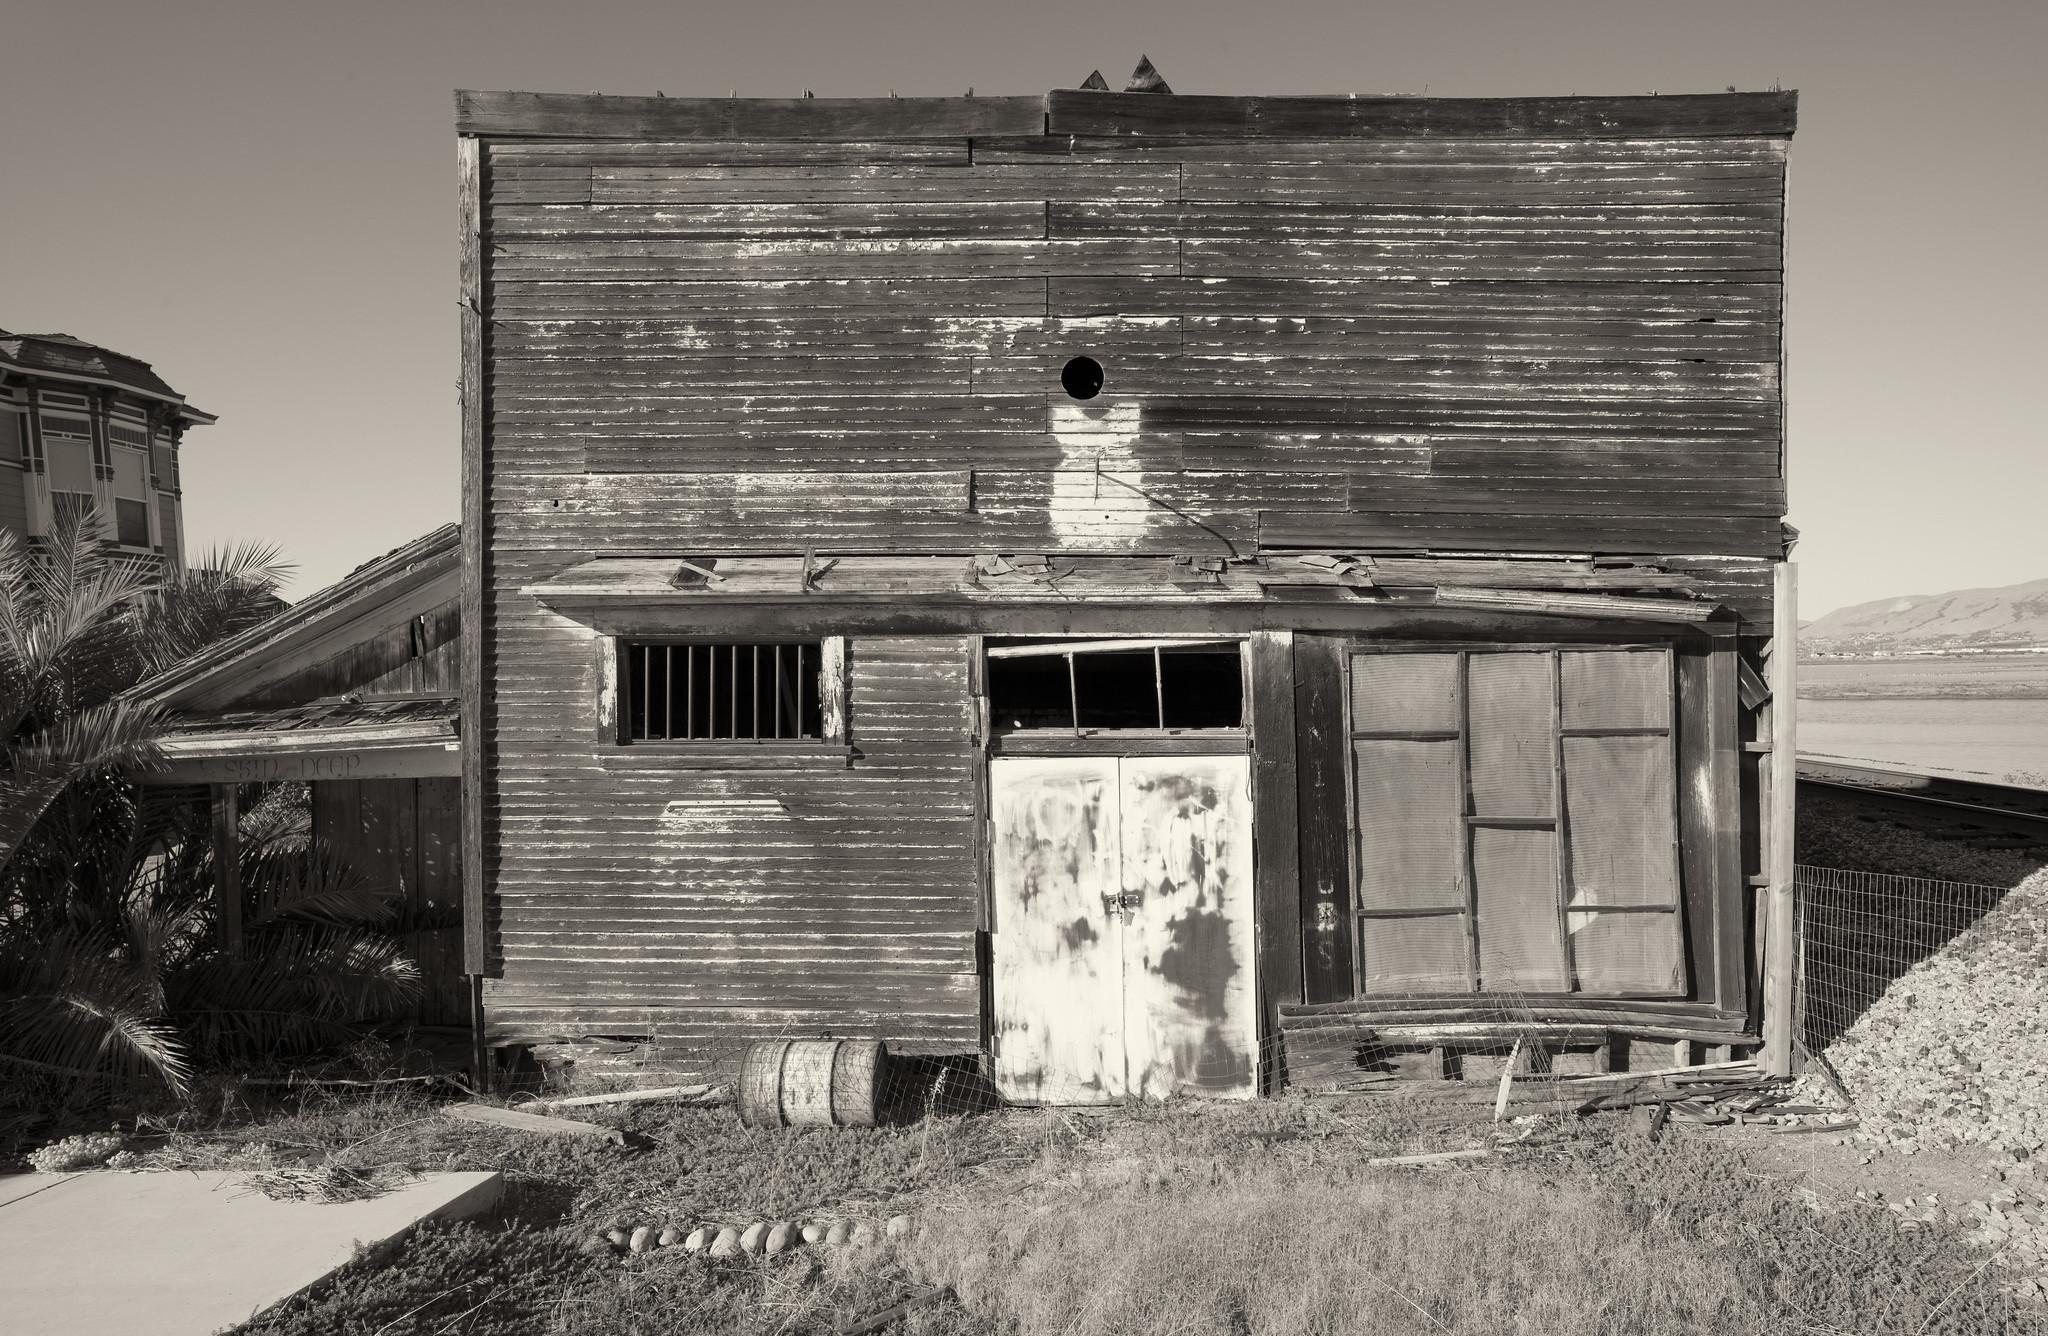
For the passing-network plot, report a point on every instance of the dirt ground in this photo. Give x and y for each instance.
(1136, 1220)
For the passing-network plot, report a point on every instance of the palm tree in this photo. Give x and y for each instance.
(78, 627)
(109, 959)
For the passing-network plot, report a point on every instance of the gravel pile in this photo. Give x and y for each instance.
(1956, 1051)
(1955, 1055)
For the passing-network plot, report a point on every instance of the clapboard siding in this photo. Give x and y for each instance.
(742, 325)
(842, 884)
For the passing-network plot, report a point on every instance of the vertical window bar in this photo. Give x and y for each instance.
(1073, 697)
(668, 691)
(711, 691)
(689, 691)
(757, 693)
(778, 689)
(800, 690)
(646, 697)
(1159, 685)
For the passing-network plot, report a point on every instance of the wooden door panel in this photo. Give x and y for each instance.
(1055, 933)
(1190, 995)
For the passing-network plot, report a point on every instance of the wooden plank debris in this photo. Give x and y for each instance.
(1432, 1157)
(690, 1094)
(493, 1116)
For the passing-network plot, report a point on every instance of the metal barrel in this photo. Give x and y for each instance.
(811, 1083)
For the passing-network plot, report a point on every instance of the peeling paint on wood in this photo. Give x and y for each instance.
(1122, 931)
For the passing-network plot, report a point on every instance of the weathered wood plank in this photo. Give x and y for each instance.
(549, 302)
(867, 183)
(1324, 903)
(1740, 535)
(1077, 112)
(1441, 150)
(746, 222)
(596, 116)
(609, 260)
(1270, 670)
(1282, 297)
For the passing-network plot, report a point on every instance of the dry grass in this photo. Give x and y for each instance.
(1278, 1252)
(1182, 1221)
(1591, 1236)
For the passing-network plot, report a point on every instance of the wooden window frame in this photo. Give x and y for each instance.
(1557, 822)
(1078, 741)
(833, 745)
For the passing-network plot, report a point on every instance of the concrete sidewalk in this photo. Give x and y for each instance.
(186, 1253)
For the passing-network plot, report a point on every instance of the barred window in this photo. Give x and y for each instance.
(753, 692)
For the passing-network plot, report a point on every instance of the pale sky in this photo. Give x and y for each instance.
(260, 199)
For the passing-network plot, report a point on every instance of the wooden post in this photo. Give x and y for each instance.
(1782, 945)
(479, 1047)
(475, 936)
(227, 864)
(1277, 835)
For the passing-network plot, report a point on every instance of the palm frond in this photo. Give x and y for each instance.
(226, 591)
(293, 988)
(313, 885)
(75, 1007)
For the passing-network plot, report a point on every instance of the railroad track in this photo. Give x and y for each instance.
(1966, 804)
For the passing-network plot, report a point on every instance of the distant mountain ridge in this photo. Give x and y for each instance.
(2008, 617)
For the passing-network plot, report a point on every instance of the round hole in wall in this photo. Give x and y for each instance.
(1082, 377)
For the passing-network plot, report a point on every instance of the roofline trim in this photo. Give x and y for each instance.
(1081, 112)
(177, 401)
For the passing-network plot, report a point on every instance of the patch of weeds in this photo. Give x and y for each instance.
(444, 1279)
(1855, 1269)
(677, 1294)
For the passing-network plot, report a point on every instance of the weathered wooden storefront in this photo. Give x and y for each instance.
(1113, 580)
(351, 692)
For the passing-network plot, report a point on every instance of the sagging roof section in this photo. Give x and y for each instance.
(1088, 113)
(372, 598)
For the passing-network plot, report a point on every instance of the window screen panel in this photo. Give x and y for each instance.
(1619, 821)
(131, 478)
(1410, 826)
(1628, 953)
(1514, 882)
(1510, 700)
(1615, 688)
(70, 465)
(1426, 954)
(1404, 693)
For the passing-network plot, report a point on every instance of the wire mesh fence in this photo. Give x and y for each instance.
(1861, 932)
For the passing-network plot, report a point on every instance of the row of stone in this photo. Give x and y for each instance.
(762, 1238)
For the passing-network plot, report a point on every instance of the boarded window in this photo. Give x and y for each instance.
(721, 692)
(1515, 818)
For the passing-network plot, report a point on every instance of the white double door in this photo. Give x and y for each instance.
(1122, 944)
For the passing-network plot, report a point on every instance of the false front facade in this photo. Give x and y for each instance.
(1127, 583)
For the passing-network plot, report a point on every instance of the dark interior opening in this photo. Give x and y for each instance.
(1082, 378)
(1029, 693)
(1201, 686)
(1116, 690)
